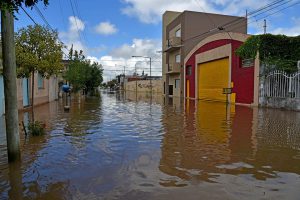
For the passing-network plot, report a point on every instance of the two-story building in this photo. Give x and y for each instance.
(182, 31)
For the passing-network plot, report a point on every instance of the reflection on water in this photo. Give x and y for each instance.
(134, 146)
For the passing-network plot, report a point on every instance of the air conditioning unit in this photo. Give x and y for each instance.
(298, 65)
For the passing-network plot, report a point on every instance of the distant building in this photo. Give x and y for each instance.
(182, 31)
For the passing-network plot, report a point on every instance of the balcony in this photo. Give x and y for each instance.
(173, 44)
(173, 68)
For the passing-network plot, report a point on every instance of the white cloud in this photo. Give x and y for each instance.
(76, 24)
(106, 28)
(72, 36)
(114, 62)
(294, 30)
(150, 11)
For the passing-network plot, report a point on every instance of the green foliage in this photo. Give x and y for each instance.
(14, 5)
(36, 128)
(82, 74)
(38, 49)
(111, 84)
(276, 51)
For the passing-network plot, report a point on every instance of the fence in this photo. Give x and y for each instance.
(280, 84)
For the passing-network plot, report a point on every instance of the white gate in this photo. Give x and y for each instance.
(281, 84)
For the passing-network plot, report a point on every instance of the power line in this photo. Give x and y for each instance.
(72, 7)
(272, 8)
(78, 13)
(28, 15)
(48, 26)
(296, 3)
(240, 20)
(42, 16)
(206, 14)
(62, 14)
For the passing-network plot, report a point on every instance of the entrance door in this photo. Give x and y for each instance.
(170, 89)
(25, 92)
(187, 88)
(213, 76)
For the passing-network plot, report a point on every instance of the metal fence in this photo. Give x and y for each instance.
(281, 84)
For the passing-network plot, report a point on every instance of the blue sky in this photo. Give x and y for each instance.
(113, 30)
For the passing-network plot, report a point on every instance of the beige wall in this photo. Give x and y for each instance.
(48, 93)
(144, 86)
(168, 17)
(176, 91)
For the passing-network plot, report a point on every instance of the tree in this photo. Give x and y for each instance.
(38, 50)
(83, 74)
(7, 8)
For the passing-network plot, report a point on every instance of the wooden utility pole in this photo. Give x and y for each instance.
(10, 86)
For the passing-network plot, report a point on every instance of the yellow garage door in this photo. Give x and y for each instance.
(212, 78)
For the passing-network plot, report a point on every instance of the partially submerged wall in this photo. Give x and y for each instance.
(144, 86)
(279, 102)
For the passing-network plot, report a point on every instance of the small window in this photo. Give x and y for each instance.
(177, 58)
(189, 70)
(177, 83)
(178, 33)
(40, 81)
(247, 63)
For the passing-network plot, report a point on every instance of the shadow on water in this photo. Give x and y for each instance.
(138, 146)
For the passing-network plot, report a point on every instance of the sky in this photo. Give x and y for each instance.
(112, 31)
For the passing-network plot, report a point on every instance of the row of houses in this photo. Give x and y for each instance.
(199, 60)
(46, 90)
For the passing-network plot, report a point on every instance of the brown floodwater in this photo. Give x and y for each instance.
(128, 146)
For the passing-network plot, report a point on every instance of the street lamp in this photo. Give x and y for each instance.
(150, 69)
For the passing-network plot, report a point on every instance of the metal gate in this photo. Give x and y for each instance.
(281, 84)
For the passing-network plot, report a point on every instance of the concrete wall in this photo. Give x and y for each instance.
(1, 96)
(53, 88)
(42, 95)
(220, 46)
(283, 103)
(176, 91)
(144, 86)
(168, 17)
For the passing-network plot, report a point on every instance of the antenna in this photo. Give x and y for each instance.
(265, 26)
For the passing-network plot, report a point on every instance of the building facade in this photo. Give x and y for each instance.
(212, 67)
(181, 33)
(45, 90)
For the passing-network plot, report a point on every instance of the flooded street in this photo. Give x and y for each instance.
(127, 146)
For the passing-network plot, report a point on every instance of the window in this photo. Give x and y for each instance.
(177, 58)
(189, 70)
(40, 81)
(178, 33)
(177, 83)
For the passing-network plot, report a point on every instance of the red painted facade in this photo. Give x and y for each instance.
(243, 78)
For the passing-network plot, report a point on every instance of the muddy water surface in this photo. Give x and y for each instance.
(131, 146)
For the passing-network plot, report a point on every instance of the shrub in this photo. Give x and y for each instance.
(36, 128)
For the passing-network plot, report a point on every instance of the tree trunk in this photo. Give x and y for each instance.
(10, 86)
(32, 97)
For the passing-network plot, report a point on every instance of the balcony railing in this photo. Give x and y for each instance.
(173, 44)
(173, 68)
